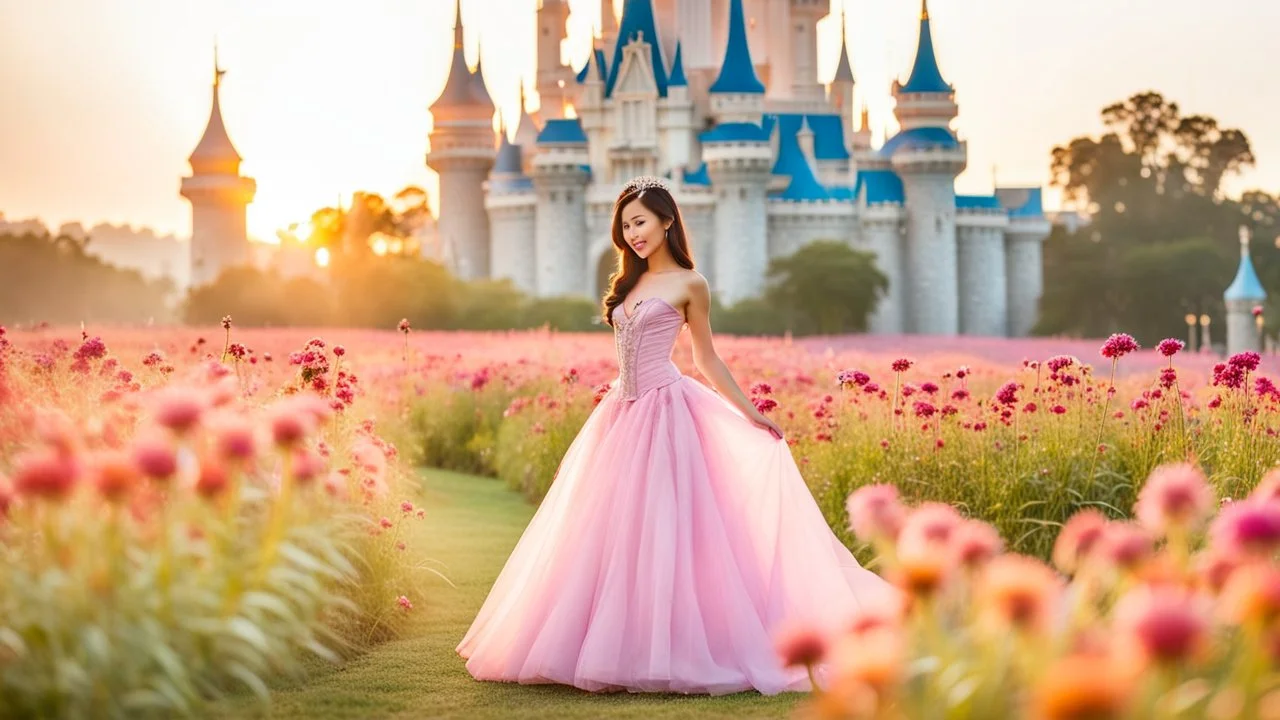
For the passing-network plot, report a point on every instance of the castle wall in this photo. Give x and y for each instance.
(512, 223)
(981, 267)
(880, 232)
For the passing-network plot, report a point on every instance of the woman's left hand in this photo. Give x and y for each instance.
(761, 421)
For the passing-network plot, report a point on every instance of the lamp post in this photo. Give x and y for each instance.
(1191, 331)
(1260, 323)
(1206, 344)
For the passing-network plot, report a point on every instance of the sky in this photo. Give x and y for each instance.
(102, 101)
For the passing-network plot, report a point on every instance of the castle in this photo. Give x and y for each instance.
(761, 154)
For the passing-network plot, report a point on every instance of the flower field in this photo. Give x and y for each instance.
(191, 512)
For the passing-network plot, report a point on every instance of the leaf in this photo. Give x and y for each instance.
(246, 676)
(250, 633)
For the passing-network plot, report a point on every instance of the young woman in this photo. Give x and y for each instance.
(678, 534)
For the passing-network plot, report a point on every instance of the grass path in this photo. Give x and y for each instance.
(472, 525)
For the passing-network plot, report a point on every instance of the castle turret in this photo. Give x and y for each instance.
(554, 78)
(637, 81)
(218, 196)
(560, 174)
(739, 159)
(526, 133)
(1244, 293)
(608, 27)
(840, 92)
(511, 203)
(676, 119)
(1024, 255)
(737, 95)
(928, 157)
(462, 152)
(805, 15)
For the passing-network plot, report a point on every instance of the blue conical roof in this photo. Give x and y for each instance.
(925, 75)
(637, 18)
(510, 159)
(1246, 285)
(737, 74)
(677, 69)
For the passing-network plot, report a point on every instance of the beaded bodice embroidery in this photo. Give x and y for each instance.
(644, 343)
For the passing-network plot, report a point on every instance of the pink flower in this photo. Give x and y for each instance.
(235, 438)
(975, 543)
(1247, 528)
(929, 528)
(155, 456)
(226, 322)
(764, 405)
(762, 388)
(1166, 625)
(1257, 310)
(1119, 345)
(45, 474)
(800, 645)
(178, 409)
(403, 326)
(406, 507)
(1175, 495)
(1078, 540)
(404, 603)
(1007, 394)
(1170, 346)
(1126, 545)
(1247, 361)
(924, 409)
(901, 365)
(875, 512)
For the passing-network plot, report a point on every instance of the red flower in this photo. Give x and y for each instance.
(1119, 345)
(901, 365)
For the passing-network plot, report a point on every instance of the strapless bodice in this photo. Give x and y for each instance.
(644, 343)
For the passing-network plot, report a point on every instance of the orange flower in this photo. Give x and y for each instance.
(1251, 594)
(1079, 687)
(1019, 592)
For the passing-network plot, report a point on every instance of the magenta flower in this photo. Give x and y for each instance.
(1008, 394)
(1247, 361)
(1119, 345)
(924, 409)
(762, 388)
(901, 365)
(1169, 347)
(1247, 528)
(226, 322)
(799, 645)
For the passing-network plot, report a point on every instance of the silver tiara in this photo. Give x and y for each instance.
(647, 182)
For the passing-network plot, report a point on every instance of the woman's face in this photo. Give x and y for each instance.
(642, 229)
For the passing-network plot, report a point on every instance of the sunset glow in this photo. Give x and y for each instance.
(327, 97)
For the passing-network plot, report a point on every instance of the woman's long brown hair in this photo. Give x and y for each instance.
(631, 266)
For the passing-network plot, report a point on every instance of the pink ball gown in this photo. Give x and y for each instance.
(675, 541)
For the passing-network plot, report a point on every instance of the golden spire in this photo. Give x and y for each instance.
(217, 71)
(924, 9)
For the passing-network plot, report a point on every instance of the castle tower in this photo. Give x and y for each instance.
(608, 27)
(554, 78)
(928, 157)
(805, 15)
(593, 115)
(560, 232)
(511, 204)
(1241, 296)
(218, 197)
(739, 161)
(840, 93)
(462, 152)
(675, 120)
(526, 133)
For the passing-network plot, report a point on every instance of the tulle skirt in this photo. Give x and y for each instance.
(676, 540)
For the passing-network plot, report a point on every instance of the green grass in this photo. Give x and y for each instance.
(471, 527)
